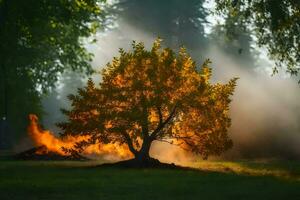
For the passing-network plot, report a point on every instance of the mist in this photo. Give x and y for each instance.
(265, 110)
(265, 113)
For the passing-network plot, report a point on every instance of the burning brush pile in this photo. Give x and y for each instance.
(50, 147)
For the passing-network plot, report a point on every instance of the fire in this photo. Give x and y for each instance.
(55, 144)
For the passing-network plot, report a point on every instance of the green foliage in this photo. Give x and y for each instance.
(154, 95)
(43, 38)
(276, 25)
(38, 41)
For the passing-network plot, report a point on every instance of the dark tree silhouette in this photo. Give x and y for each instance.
(179, 22)
(235, 40)
(276, 25)
(38, 41)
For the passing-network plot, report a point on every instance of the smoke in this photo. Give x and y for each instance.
(265, 110)
(169, 153)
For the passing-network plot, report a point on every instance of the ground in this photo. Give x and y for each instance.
(81, 180)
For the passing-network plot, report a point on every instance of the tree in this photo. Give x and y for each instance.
(275, 24)
(153, 95)
(38, 41)
(177, 21)
(235, 41)
(52, 102)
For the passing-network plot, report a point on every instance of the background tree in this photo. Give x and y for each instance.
(153, 95)
(56, 99)
(177, 21)
(234, 39)
(38, 41)
(275, 24)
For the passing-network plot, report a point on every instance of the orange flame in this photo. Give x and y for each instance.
(55, 144)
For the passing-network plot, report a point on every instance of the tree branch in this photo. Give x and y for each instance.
(160, 126)
(159, 114)
(144, 122)
(129, 143)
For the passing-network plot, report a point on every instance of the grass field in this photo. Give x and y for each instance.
(216, 180)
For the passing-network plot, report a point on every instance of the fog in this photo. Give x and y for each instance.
(265, 110)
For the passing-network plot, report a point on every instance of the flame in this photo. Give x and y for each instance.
(55, 144)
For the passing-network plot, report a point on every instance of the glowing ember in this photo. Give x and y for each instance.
(55, 144)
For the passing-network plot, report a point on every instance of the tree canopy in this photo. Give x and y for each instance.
(38, 41)
(43, 38)
(276, 25)
(153, 95)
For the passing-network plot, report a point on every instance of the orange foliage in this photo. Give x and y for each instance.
(154, 95)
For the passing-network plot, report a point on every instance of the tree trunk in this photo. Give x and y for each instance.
(143, 155)
(4, 126)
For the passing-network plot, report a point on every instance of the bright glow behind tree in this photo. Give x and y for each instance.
(153, 95)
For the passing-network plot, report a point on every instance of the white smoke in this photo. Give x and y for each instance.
(265, 110)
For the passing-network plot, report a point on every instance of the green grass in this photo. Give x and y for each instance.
(75, 180)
